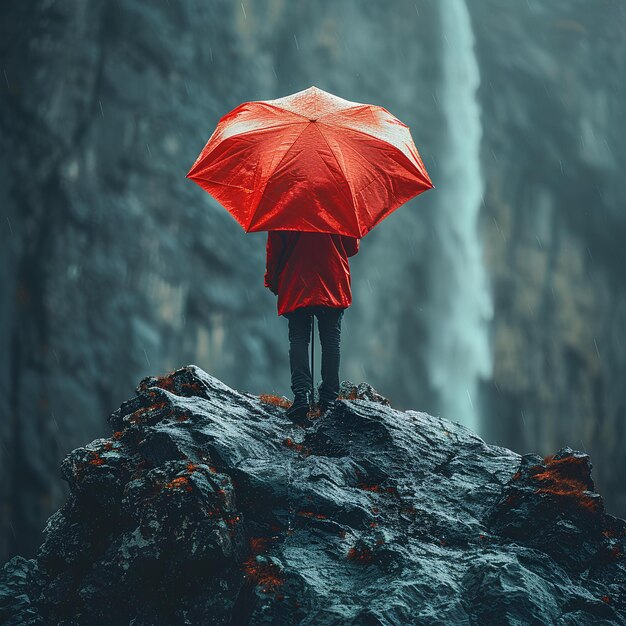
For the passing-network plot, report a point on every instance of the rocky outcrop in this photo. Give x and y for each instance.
(207, 506)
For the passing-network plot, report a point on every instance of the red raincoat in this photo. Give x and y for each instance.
(307, 269)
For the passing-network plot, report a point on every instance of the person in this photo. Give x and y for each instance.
(310, 274)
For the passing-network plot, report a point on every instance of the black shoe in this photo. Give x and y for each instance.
(327, 405)
(297, 412)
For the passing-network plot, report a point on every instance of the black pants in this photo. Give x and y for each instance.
(329, 322)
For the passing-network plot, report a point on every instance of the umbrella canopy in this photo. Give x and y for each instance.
(310, 161)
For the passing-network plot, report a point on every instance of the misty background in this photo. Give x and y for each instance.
(497, 299)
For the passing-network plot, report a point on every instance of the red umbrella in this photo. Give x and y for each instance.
(310, 161)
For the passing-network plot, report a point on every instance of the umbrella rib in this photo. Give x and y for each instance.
(282, 110)
(356, 213)
(218, 182)
(256, 208)
(252, 131)
(374, 179)
(362, 132)
(239, 137)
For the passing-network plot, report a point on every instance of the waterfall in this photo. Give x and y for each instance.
(458, 354)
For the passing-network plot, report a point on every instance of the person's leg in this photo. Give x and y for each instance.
(329, 321)
(299, 337)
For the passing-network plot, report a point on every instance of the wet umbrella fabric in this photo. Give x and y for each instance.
(310, 161)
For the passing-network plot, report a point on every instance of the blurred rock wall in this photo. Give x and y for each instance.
(554, 116)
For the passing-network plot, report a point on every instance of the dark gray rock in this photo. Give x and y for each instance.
(207, 506)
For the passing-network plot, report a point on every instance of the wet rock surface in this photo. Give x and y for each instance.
(207, 506)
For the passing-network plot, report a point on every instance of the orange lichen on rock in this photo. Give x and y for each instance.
(267, 398)
(368, 487)
(118, 434)
(182, 482)
(311, 514)
(137, 416)
(362, 555)
(290, 443)
(96, 460)
(351, 396)
(565, 478)
(192, 467)
(265, 575)
(232, 523)
(193, 387)
(377, 488)
(258, 544)
(166, 382)
(108, 446)
(511, 499)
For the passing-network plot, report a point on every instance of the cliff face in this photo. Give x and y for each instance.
(553, 226)
(206, 506)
